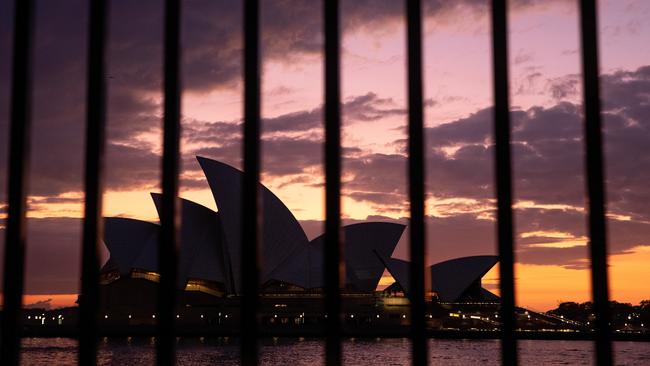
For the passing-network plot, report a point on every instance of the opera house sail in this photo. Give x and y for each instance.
(209, 279)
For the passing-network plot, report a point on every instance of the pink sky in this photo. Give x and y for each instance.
(544, 67)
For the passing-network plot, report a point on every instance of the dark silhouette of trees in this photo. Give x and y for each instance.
(624, 315)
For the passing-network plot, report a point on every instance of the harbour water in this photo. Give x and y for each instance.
(309, 352)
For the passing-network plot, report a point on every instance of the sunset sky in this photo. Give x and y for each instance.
(546, 97)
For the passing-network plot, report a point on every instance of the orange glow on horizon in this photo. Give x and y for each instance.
(538, 287)
(53, 300)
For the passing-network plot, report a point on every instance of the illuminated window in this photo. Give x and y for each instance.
(145, 275)
(207, 287)
(108, 277)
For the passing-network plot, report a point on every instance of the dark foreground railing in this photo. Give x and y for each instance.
(503, 174)
(334, 269)
(95, 141)
(416, 181)
(251, 225)
(251, 228)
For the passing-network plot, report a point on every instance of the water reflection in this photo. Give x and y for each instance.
(309, 352)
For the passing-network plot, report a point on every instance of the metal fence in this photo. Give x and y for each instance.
(333, 332)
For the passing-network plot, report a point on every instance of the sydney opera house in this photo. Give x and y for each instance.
(209, 270)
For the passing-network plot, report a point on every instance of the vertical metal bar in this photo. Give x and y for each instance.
(95, 137)
(334, 266)
(19, 157)
(504, 181)
(416, 182)
(595, 181)
(251, 219)
(169, 218)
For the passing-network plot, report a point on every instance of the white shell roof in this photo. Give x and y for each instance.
(304, 268)
(125, 239)
(450, 278)
(281, 232)
(363, 268)
(201, 254)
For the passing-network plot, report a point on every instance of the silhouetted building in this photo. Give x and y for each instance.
(209, 271)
